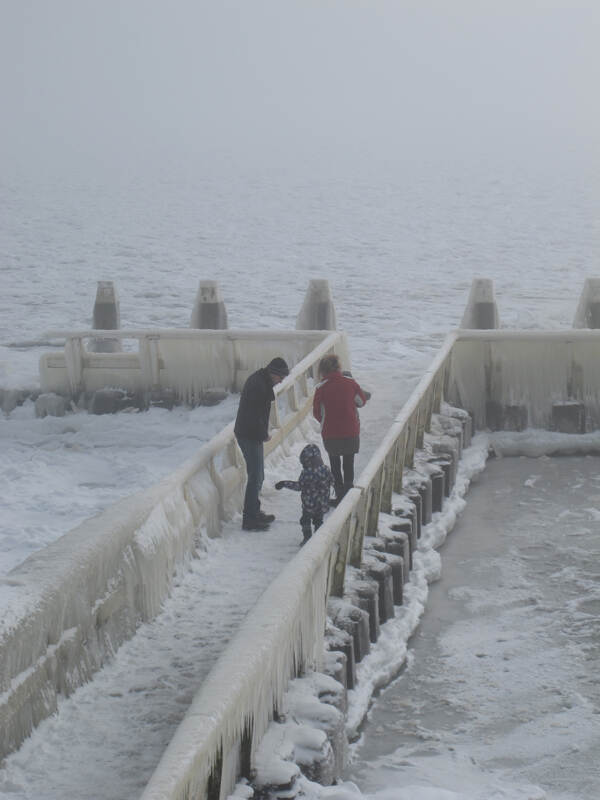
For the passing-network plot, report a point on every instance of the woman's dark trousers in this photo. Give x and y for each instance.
(342, 481)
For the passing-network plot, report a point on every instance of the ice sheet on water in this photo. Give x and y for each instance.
(56, 472)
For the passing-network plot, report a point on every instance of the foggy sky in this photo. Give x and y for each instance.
(128, 79)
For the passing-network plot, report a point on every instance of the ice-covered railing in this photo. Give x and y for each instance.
(283, 633)
(68, 607)
(183, 360)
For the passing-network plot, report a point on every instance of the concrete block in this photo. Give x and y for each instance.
(11, 398)
(106, 317)
(417, 515)
(399, 577)
(355, 621)
(568, 417)
(481, 311)
(317, 312)
(209, 307)
(365, 593)
(161, 398)
(107, 401)
(446, 464)
(50, 404)
(374, 543)
(437, 489)
(398, 544)
(500, 417)
(587, 314)
(382, 573)
(335, 664)
(406, 527)
(338, 640)
(424, 488)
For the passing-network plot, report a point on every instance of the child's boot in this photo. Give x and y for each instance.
(306, 534)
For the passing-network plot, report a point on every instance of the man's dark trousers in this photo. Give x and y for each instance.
(254, 457)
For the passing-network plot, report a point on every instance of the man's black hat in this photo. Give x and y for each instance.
(278, 367)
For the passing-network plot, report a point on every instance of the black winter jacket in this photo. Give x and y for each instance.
(252, 421)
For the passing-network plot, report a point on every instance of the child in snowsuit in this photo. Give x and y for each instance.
(314, 485)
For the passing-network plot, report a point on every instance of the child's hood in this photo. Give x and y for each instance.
(311, 456)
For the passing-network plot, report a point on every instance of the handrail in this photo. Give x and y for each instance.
(498, 334)
(181, 333)
(284, 630)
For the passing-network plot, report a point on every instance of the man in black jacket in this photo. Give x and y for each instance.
(251, 430)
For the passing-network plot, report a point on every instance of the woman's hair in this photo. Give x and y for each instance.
(328, 364)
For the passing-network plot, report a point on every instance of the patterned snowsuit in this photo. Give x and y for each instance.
(314, 485)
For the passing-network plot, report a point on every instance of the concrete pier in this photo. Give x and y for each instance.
(317, 312)
(481, 311)
(106, 317)
(209, 307)
(587, 314)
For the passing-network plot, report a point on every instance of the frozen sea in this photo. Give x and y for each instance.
(399, 242)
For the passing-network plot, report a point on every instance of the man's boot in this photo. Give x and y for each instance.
(254, 524)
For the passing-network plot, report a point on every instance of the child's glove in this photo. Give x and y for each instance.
(279, 484)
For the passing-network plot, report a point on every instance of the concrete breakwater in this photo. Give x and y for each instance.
(325, 569)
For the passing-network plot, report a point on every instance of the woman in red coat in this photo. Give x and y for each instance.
(337, 399)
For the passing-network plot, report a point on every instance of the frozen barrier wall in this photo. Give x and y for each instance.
(283, 634)
(68, 607)
(518, 379)
(187, 361)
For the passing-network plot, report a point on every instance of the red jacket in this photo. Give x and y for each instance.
(335, 406)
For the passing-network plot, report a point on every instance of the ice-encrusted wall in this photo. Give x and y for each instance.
(529, 370)
(186, 361)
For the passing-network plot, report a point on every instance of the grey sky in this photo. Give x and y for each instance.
(120, 78)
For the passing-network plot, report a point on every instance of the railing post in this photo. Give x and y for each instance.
(303, 381)
(341, 559)
(246, 750)
(357, 531)
(387, 486)
(213, 788)
(373, 507)
(411, 441)
(149, 361)
(74, 352)
(292, 399)
(421, 421)
(439, 389)
(274, 421)
(399, 458)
